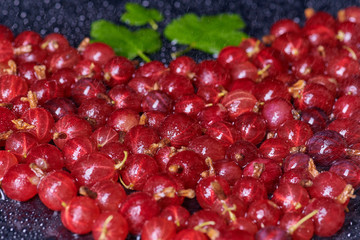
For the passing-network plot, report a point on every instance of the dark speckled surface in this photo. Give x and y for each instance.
(31, 220)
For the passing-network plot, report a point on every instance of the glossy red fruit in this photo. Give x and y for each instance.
(244, 224)
(235, 235)
(99, 53)
(308, 67)
(348, 170)
(204, 220)
(176, 214)
(251, 126)
(142, 85)
(96, 111)
(347, 128)
(304, 231)
(122, 120)
(124, 97)
(183, 65)
(7, 160)
(211, 73)
(20, 183)
(56, 189)
(6, 33)
(325, 147)
(223, 131)
(12, 86)
(249, 189)
(291, 197)
(252, 46)
(179, 129)
(59, 107)
(276, 149)
(320, 35)
(292, 45)
(315, 117)
(30, 72)
(211, 189)
(88, 69)
(176, 86)
(231, 56)
(111, 225)
(350, 87)
(78, 216)
(276, 112)
(27, 38)
(157, 101)
(296, 132)
(46, 156)
(93, 168)
(54, 42)
(158, 228)
(191, 105)
(66, 58)
(6, 124)
(208, 147)
(242, 152)
(137, 209)
(230, 208)
(330, 217)
(186, 166)
(271, 88)
(46, 90)
(20, 143)
(346, 106)
(6, 51)
(153, 70)
(87, 88)
(212, 114)
(229, 170)
(141, 139)
(18, 106)
(109, 195)
(266, 170)
(75, 148)
(42, 121)
(115, 150)
(269, 61)
(342, 68)
(238, 102)
(302, 177)
(296, 161)
(244, 70)
(272, 232)
(68, 127)
(36, 55)
(104, 135)
(244, 84)
(350, 14)
(264, 213)
(118, 70)
(283, 26)
(137, 170)
(190, 234)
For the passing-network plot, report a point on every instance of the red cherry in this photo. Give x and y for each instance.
(252, 46)
(348, 170)
(292, 45)
(212, 114)
(347, 128)
(269, 89)
(296, 161)
(244, 70)
(79, 214)
(315, 117)
(350, 14)
(141, 139)
(346, 106)
(87, 69)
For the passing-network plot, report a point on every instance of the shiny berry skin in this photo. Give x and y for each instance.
(346, 106)
(6, 33)
(104, 135)
(153, 70)
(269, 89)
(275, 149)
(291, 197)
(56, 188)
(68, 127)
(320, 35)
(122, 120)
(350, 14)
(28, 72)
(238, 102)
(158, 228)
(140, 139)
(190, 234)
(6, 117)
(7, 160)
(223, 131)
(272, 232)
(96, 111)
(244, 224)
(79, 214)
(244, 84)
(252, 46)
(36, 55)
(137, 209)
(20, 143)
(296, 161)
(347, 128)
(27, 38)
(264, 213)
(157, 101)
(203, 220)
(235, 234)
(308, 67)
(283, 26)
(244, 70)
(325, 147)
(125, 97)
(143, 85)
(118, 70)
(329, 219)
(179, 129)
(348, 170)
(115, 150)
(251, 126)
(208, 147)
(231, 56)
(249, 189)
(207, 194)
(186, 166)
(75, 148)
(176, 86)
(42, 121)
(12, 86)
(350, 87)
(176, 214)
(109, 195)
(183, 65)
(54, 42)
(229, 170)
(342, 68)
(211, 73)
(62, 59)
(111, 225)
(46, 156)
(269, 60)
(190, 105)
(138, 169)
(20, 182)
(93, 168)
(86, 88)
(87, 69)
(59, 107)
(242, 152)
(46, 90)
(315, 117)
(303, 232)
(276, 112)
(296, 132)
(99, 53)
(6, 51)
(292, 45)
(212, 114)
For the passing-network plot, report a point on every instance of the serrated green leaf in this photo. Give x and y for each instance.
(125, 42)
(207, 33)
(137, 15)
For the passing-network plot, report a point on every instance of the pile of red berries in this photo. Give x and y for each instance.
(244, 134)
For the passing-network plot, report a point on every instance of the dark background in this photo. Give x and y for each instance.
(31, 220)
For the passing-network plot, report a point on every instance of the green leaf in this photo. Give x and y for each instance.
(125, 42)
(137, 15)
(206, 33)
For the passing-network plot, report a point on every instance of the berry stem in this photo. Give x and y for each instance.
(121, 164)
(188, 193)
(104, 228)
(293, 228)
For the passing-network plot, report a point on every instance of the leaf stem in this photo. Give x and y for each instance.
(153, 24)
(179, 53)
(143, 56)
